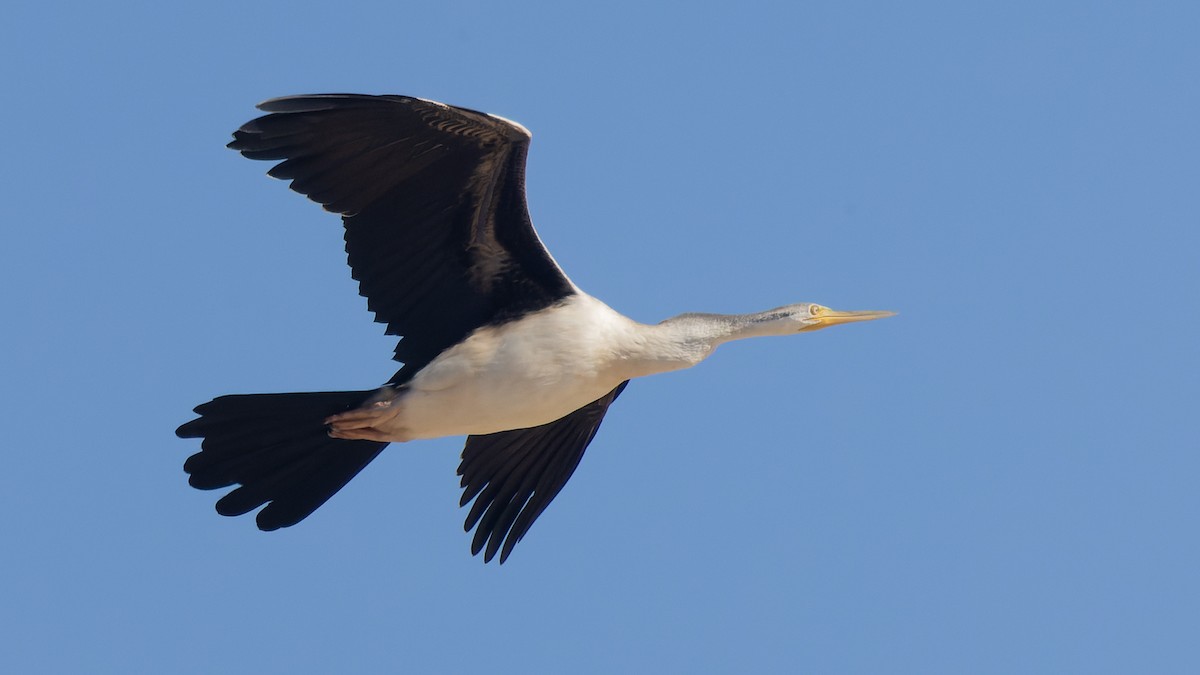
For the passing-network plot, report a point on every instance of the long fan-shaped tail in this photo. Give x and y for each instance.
(277, 447)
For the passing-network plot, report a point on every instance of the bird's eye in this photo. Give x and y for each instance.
(814, 310)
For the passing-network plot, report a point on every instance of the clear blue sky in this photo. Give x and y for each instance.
(1002, 479)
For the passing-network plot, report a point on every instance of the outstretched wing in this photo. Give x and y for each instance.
(433, 200)
(513, 475)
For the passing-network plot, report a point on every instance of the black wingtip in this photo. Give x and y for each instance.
(508, 546)
(188, 430)
(313, 102)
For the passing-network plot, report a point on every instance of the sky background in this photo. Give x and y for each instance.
(1002, 479)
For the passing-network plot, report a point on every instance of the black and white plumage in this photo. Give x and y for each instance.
(496, 342)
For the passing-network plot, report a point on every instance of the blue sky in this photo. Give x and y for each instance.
(1002, 479)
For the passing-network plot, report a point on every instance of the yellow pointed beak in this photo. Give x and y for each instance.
(824, 317)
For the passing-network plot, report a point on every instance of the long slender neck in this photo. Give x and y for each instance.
(687, 339)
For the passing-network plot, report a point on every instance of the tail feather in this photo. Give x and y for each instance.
(277, 448)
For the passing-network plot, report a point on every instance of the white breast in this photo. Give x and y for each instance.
(521, 374)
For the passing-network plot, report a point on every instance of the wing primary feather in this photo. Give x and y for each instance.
(514, 489)
(514, 475)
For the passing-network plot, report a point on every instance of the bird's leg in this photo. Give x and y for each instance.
(364, 423)
(367, 434)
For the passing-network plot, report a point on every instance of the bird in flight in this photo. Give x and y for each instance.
(496, 343)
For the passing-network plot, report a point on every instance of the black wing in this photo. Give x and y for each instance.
(513, 475)
(433, 200)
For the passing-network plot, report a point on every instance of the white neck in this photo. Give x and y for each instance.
(687, 339)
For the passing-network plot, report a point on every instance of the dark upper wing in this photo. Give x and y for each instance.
(433, 199)
(513, 475)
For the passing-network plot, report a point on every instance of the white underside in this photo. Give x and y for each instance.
(521, 374)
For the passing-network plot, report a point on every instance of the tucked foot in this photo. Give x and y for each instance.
(367, 422)
(360, 435)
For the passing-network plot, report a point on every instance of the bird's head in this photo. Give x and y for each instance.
(808, 316)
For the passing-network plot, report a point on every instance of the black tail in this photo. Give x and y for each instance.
(276, 446)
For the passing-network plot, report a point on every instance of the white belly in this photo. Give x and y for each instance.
(522, 374)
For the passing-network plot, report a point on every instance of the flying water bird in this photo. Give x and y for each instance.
(496, 342)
